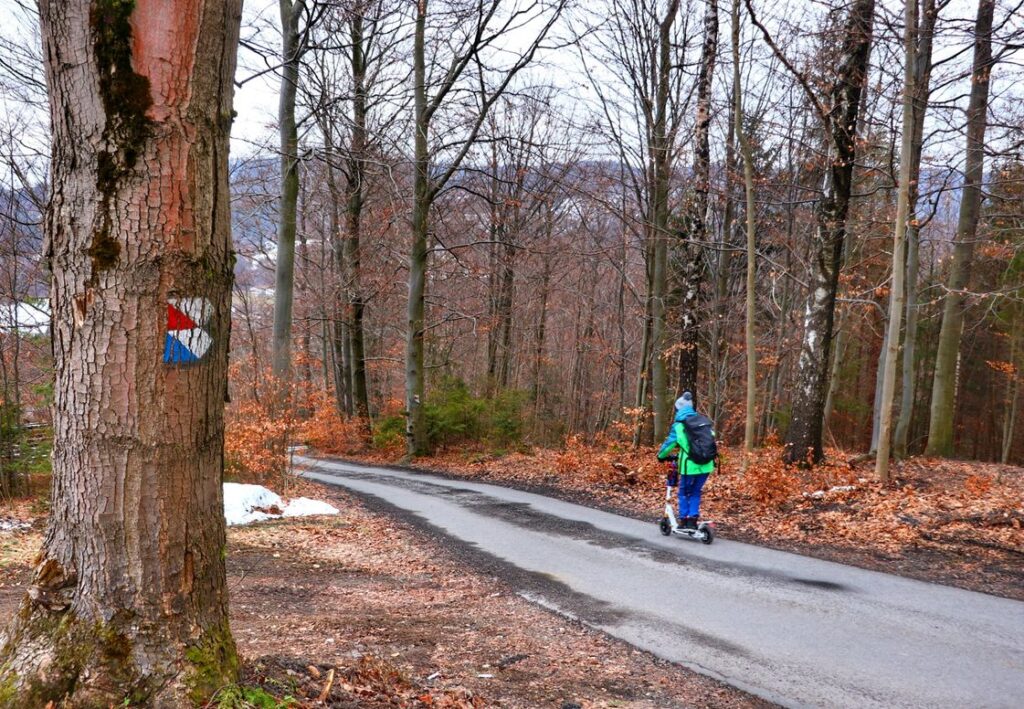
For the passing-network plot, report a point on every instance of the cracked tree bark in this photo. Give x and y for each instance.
(128, 599)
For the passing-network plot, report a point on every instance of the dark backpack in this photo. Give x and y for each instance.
(700, 434)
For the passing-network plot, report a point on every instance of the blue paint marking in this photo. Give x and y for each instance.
(177, 353)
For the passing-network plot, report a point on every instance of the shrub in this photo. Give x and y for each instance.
(455, 416)
(389, 433)
(256, 440)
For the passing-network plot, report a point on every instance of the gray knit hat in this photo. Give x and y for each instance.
(685, 401)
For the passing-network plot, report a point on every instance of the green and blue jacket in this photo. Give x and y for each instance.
(678, 444)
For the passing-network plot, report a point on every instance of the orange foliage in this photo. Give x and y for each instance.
(769, 483)
(977, 485)
(256, 440)
(328, 431)
(265, 421)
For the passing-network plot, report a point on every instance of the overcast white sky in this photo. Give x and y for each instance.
(256, 99)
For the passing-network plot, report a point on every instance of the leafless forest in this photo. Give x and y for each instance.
(498, 224)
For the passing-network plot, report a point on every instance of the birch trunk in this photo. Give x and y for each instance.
(128, 600)
(944, 383)
(689, 355)
(804, 437)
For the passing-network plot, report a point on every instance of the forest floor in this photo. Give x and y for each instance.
(363, 610)
(951, 522)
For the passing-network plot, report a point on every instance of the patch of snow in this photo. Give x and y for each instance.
(245, 504)
(819, 494)
(9, 524)
(304, 507)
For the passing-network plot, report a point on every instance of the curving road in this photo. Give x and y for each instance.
(795, 630)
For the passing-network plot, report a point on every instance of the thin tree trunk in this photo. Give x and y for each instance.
(922, 91)
(644, 364)
(748, 184)
(692, 252)
(1010, 417)
(538, 351)
(661, 158)
(284, 274)
(721, 342)
(620, 308)
(128, 596)
(338, 330)
(496, 230)
(897, 294)
(804, 438)
(876, 401)
(415, 378)
(356, 191)
(944, 384)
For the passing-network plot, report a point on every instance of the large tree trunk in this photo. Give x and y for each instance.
(128, 599)
(940, 431)
(897, 293)
(284, 274)
(804, 437)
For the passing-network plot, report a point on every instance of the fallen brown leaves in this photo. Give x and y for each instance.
(360, 610)
(401, 622)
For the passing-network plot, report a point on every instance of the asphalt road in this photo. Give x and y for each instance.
(795, 630)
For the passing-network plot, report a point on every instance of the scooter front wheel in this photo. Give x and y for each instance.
(709, 535)
(665, 526)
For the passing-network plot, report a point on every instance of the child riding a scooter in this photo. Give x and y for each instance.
(691, 444)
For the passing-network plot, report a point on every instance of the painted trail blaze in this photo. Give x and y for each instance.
(186, 340)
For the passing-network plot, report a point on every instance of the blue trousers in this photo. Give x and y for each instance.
(689, 494)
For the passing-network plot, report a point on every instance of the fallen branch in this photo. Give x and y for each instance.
(327, 687)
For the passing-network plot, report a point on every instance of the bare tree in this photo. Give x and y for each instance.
(838, 112)
(925, 35)
(749, 431)
(944, 382)
(448, 48)
(897, 293)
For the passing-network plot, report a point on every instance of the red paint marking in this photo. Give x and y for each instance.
(177, 320)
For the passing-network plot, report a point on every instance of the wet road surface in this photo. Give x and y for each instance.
(795, 630)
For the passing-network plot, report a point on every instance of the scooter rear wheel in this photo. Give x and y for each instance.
(665, 526)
